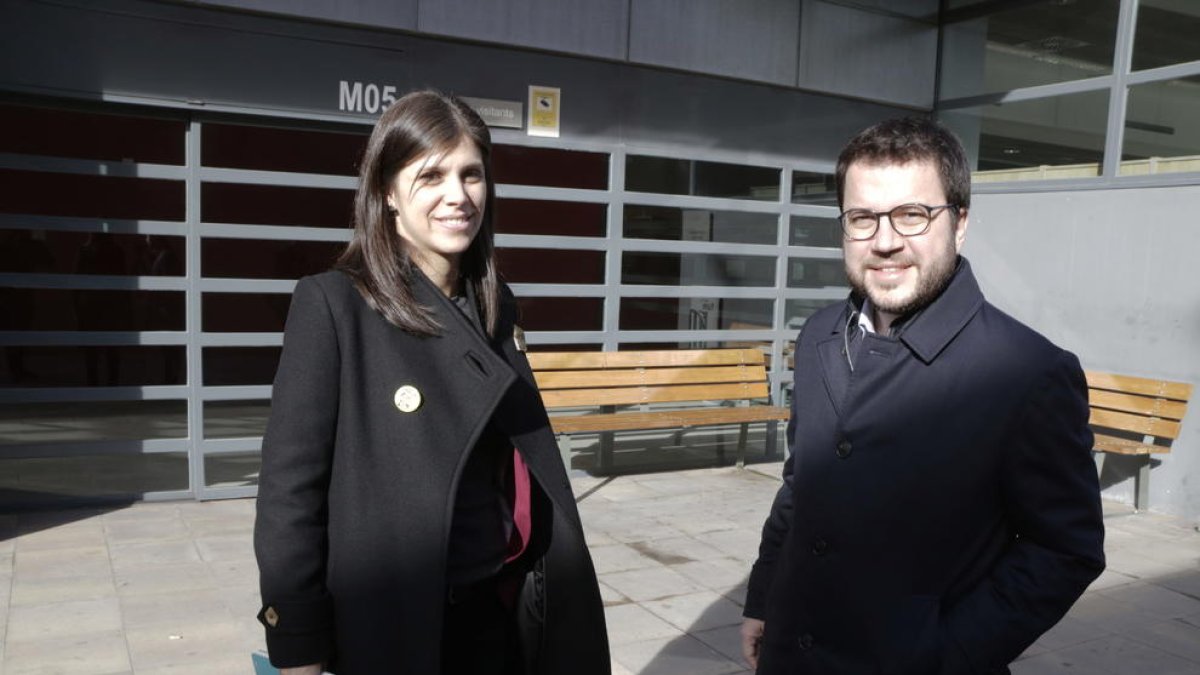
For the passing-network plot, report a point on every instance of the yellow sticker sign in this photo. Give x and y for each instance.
(545, 105)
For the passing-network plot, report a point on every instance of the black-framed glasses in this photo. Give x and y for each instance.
(908, 220)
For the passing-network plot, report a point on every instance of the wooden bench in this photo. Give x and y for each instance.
(621, 387)
(1135, 416)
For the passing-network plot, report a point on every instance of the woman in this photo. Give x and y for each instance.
(398, 530)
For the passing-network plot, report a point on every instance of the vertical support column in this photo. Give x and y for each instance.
(1119, 93)
(195, 370)
(612, 249)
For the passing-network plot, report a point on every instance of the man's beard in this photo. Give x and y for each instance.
(932, 280)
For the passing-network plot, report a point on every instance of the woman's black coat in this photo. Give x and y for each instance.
(356, 496)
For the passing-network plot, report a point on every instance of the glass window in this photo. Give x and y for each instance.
(1027, 44)
(706, 179)
(244, 312)
(232, 469)
(734, 227)
(1162, 128)
(549, 167)
(696, 313)
(564, 219)
(88, 135)
(44, 483)
(54, 252)
(567, 347)
(240, 146)
(561, 313)
(1046, 138)
(42, 193)
(697, 269)
(1166, 33)
(814, 188)
(235, 366)
(550, 266)
(276, 205)
(816, 273)
(75, 421)
(796, 312)
(266, 258)
(30, 309)
(236, 419)
(98, 366)
(818, 231)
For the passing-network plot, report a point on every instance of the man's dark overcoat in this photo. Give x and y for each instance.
(356, 496)
(940, 507)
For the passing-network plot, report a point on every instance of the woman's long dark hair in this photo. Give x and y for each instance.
(378, 259)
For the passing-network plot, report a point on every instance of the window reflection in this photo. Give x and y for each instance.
(818, 231)
(561, 313)
(797, 311)
(1028, 44)
(696, 269)
(41, 193)
(550, 266)
(95, 366)
(234, 366)
(549, 167)
(564, 219)
(244, 312)
(27, 484)
(242, 146)
(666, 175)
(266, 258)
(814, 188)
(1166, 33)
(276, 205)
(1047, 138)
(236, 469)
(696, 314)
(54, 252)
(734, 227)
(74, 421)
(52, 309)
(1162, 128)
(815, 273)
(88, 135)
(236, 419)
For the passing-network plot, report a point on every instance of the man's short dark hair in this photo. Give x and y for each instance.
(909, 139)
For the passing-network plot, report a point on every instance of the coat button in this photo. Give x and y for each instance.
(843, 448)
(806, 641)
(820, 546)
(407, 398)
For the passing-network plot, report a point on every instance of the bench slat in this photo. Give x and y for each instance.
(1144, 405)
(584, 379)
(573, 398)
(666, 419)
(1151, 426)
(1124, 446)
(541, 361)
(1179, 391)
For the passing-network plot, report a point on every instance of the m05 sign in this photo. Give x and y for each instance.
(360, 97)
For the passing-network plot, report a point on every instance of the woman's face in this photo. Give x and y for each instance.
(439, 200)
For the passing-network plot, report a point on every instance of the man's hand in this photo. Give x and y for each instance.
(752, 631)
(314, 669)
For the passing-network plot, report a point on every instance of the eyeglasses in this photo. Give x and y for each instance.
(908, 220)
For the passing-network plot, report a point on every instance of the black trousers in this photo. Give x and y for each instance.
(479, 633)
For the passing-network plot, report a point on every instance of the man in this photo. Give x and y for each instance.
(940, 508)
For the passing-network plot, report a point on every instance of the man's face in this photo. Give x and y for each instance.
(900, 274)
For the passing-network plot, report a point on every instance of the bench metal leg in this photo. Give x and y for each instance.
(741, 446)
(564, 450)
(605, 451)
(771, 451)
(1141, 499)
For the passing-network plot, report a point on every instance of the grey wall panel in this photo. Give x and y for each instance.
(751, 39)
(861, 53)
(1109, 275)
(254, 63)
(920, 9)
(589, 27)
(400, 14)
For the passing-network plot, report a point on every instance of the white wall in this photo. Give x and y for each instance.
(1111, 275)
